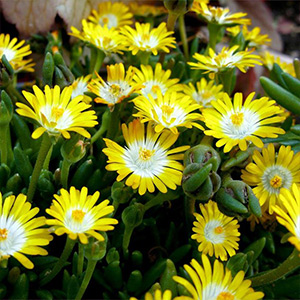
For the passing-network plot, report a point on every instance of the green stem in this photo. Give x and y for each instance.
(126, 239)
(96, 61)
(44, 149)
(144, 57)
(207, 140)
(48, 158)
(183, 36)
(61, 262)
(226, 80)
(290, 264)
(4, 143)
(170, 27)
(65, 168)
(189, 210)
(104, 125)
(14, 94)
(113, 126)
(87, 277)
(213, 35)
(80, 259)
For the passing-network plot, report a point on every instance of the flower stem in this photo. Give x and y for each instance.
(183, 36)
(126, 239)
(104, 125)
(80, 259)
(65, 168)
(213, 35)
(113, 126)
(96, 61)
(290, 264)
(44, 149)
(14, 94)
(60, 263)
(87, 277)
(144, 57)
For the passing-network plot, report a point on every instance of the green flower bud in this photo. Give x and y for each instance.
(13, 275)
(112, 255)
(202, 154)
(132, 215)
(6, 109)
(94, 249)
(121, 193)
(237, 263)
(74, 149)
(7, 65)
(178, 7)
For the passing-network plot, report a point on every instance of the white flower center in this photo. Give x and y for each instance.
(145, 158)
(297, 227)
(276, 177)
(110, 20)
(57, 117)
(114, 90)
(216, 292)
(204, 98)
(152, 87)
(146, 41)
(78, 220)
(105, 43)
(79, 88)
(240, 124)
(9, 53)
(12, 236)
(214, 232)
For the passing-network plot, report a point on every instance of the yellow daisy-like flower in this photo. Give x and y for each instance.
(204, 92)
(146, 159)
(154, 81)
(145, 39)
(15, 53)
(288, 214)
(80, 86)
(56, 112)
(105, 39)
(76, 214)
(110, 14)
(269, 60)
(215, 283)
(158, 295)
(219, 15)
(252, 37)
(117, 87)
(145, 10)
(170, 110)
(226, 59)
(217, 233)
(20, 232)
(235, 123)
(269, 173)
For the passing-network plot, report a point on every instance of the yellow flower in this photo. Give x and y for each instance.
(226, 59)
(269, 173)
(143, 38)
(105, 39)
(15, 53)
(117, 87)
(146, 10)
(288, 214)
(237, 123)
(216, 232)
(154, 81)
(215, 283)
(80, 86)
(158, 295)
(269, 60)
(170, 110)
(146, 159)
(76, 214)
(20, 232)
(56, 112)
(252, 37)
(205, 92)
(110, 14)
(219, 15)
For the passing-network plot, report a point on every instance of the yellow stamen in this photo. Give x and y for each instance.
(3, 234)
(145, 36)
(166, 109)
(146, 154)
(56, 113)
(155, 89)
(206, 95)
(225, 296)
(106, 41)
(276, 182)
(115, 89)
(78, 215)
(237, 119)
(105, 20)
(218, 230)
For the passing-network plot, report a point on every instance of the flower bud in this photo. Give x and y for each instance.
(73, 150)
(94, 249)
(178, 7)
(6, 109)
(132, 215)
